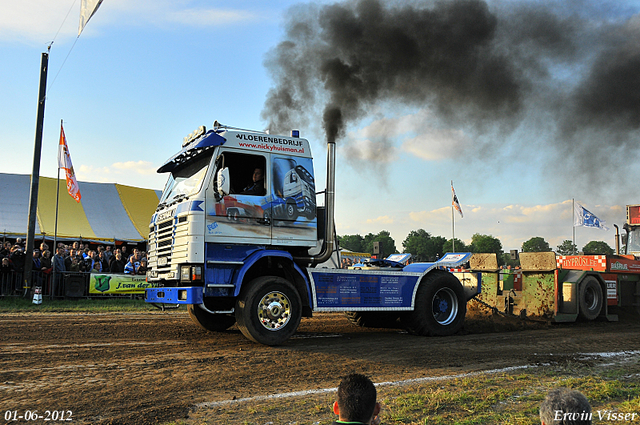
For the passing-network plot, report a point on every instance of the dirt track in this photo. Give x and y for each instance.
(152, 367)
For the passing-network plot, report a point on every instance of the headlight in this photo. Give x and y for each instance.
(185, 273)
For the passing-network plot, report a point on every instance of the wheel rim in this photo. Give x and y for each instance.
(445, 306)
(290, 210)
(591, 299)
(274, 311)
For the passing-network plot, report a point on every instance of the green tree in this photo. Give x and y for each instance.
(422, 246)
(567, 248)
(387, 244)
(352, 242)
(536, 244)
(597, 248)
(487, 244)
(460, 246)
(507, 261)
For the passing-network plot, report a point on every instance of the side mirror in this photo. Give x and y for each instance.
(223, 182)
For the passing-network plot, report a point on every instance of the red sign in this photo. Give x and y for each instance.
(633, 214)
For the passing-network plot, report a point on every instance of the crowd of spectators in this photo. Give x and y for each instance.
(76, 257)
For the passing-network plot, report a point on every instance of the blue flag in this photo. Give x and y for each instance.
(584, 217)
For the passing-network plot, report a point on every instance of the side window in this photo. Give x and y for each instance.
(247, 173)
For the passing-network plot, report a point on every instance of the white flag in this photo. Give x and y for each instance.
(87, 9)
(455, 202)
(584, 217)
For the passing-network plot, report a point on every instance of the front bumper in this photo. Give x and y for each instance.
(185, 295)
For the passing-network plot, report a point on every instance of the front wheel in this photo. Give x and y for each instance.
(440, 306)
(269, 311)
(210, 322)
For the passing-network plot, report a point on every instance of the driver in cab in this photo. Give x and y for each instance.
(257, 187)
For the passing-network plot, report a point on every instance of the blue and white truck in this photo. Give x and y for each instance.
(249, 259)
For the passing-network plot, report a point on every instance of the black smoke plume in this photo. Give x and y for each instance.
(566, 68)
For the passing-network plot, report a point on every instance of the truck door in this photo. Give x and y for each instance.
(293, 201)
(243, 214)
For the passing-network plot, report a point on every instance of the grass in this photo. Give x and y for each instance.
(505, 398)
(81, 305)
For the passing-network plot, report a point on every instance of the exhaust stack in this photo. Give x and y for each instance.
(329, 243)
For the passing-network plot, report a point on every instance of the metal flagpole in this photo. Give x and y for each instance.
(55, 227)
(453, 222)
(453, 230)
(573, 225)
(35, 175)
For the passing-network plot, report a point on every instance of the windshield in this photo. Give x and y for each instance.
(187, 179)
(633, 241)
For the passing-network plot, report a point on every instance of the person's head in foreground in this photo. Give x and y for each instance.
(356, 400)
(563, 406)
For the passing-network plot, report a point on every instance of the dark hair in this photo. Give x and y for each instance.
(356, 398)
(570, 405)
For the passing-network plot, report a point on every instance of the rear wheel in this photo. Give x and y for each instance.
(374, 319)
(440, 306)
(208, 321)
(269, 311)
(591, 299)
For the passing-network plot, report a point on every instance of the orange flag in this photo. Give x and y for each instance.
(64, 162)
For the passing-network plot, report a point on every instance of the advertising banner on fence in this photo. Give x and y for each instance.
(118, 284)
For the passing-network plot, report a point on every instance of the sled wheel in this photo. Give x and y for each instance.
(208, 321)
(439, 308)
(269, 311)
(373, 319)
(591, 299)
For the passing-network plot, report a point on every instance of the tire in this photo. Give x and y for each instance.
(210, 322)
(269, 310)
(374, 319)
(590, 298)
(440, 306)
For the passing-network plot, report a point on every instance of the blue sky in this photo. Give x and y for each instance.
(144, 74)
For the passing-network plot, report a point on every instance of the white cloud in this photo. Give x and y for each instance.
(437, 144)
(40, 20)
(414, 133)
(132, 173)
(384, 219)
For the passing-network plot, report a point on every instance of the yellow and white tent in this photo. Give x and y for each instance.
(107, 212)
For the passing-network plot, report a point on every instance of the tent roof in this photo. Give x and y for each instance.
(107, 212)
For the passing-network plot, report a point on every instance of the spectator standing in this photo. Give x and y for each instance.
(108, 254)
(6, 272)
(5, 252)
(132, 266)
(97, 267)
(104, 263)
(37, 263)
(117, 265)
(143, 267)
(75, 265)
(17, 258)
(564, 406)
(68, 260)
(46, 261)
(90, 259)
(356, 403)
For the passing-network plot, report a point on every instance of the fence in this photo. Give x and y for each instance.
(74, 284)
